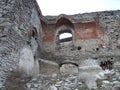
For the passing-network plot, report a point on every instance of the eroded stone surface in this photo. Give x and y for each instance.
(26, 61)
(95, 38)
(16, 26)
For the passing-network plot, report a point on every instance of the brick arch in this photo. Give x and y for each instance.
(64, 21)
(64, 29)
(63, 25)
(68, 68)
(69, 62)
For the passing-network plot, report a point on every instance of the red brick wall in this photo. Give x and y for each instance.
(49, 34)
(82, 31)
(85, 31)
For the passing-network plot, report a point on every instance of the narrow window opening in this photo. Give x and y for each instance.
(34, 32)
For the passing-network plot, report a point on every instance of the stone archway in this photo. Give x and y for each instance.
(67, 68)
(64, 26)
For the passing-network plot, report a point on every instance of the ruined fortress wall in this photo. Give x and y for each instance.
(90, 30)
(19, 27)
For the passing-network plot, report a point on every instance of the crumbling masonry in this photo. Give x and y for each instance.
(30, 42)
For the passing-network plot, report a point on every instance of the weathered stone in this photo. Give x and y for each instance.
(26, 61)
(87, 72)
(25, 33)
(13, 15)
(68, 69)
(52, 87)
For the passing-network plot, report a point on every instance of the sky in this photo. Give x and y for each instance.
(70, 7)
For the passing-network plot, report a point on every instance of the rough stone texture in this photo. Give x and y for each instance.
(68, 69)
(100, 27)
(26, 61)
(95, 38)
(70, 82)
(17, 20)
(108, 80)
(88, 69)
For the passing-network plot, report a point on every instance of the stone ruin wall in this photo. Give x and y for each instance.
(20, 35)
(90, 30)
(97, 35)
(24, 33)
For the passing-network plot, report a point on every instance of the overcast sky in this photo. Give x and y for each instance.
(56, 7)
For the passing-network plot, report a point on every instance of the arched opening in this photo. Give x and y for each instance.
(65, 33)
(67, 68)
(64, 21)
(65, 36)
(34, 42)
(34, 33)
